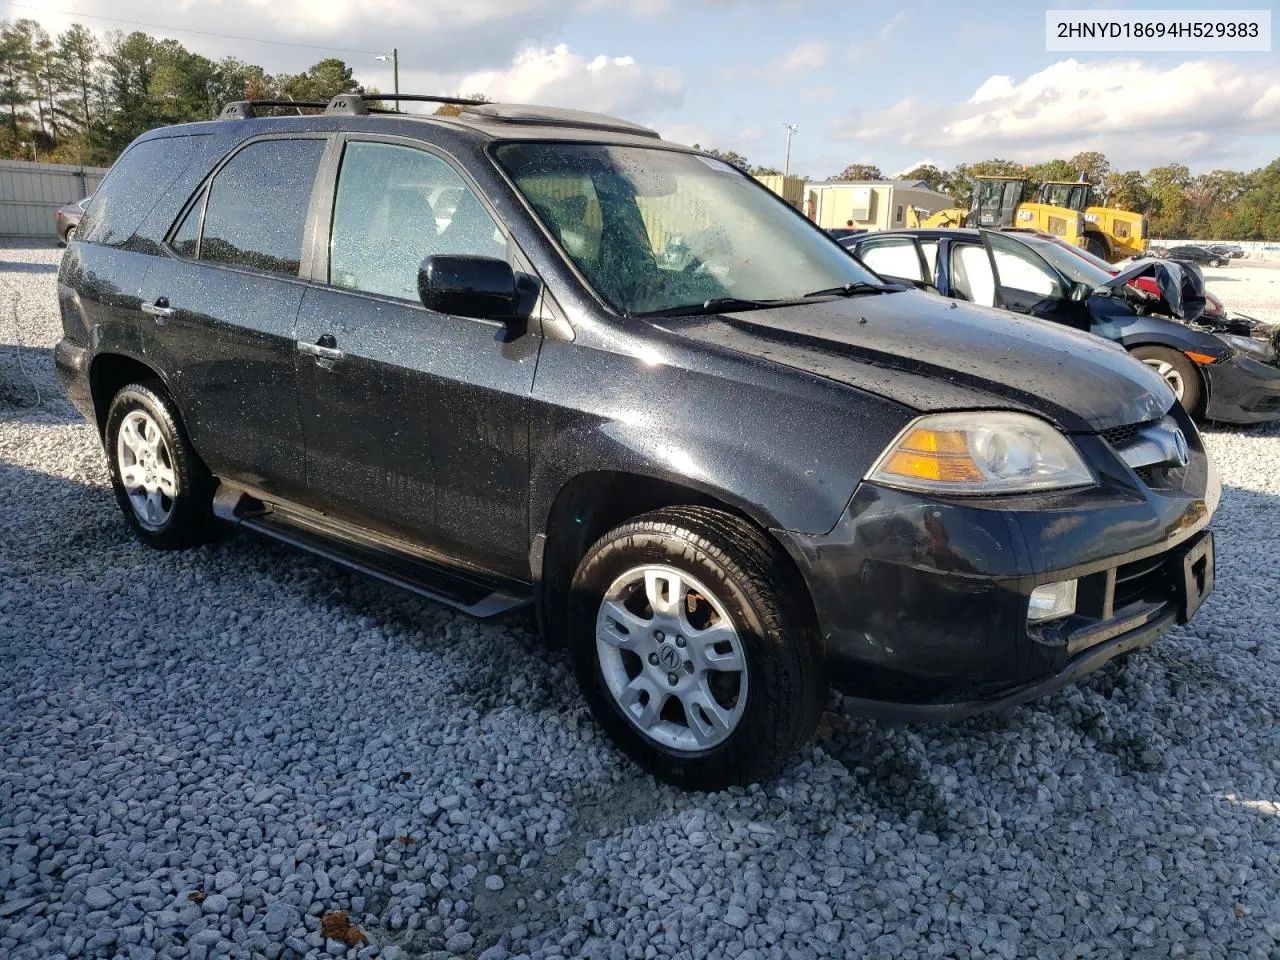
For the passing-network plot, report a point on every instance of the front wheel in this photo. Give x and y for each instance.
(1178, 372)
(1097, 248)
(693, 645)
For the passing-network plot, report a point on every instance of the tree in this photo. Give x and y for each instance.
(855, 172)
(453, 109)
(76, 58)
(322, 81)
(936, 179)
(728, 156)
(1167, 186)
(1127, 191)
(1094, 165)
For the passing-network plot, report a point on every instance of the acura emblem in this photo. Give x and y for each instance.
(1180, 452)
(669, 656)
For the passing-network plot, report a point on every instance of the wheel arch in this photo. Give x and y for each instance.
(1201, 376)
(1101, 238)
(109, 372)
(589, 505)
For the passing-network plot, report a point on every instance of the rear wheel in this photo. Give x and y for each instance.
(1178, 372)
(69, 235)
(163, 488)
(694, 648)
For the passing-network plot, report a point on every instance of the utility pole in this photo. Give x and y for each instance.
(786, 163)
(395, 71)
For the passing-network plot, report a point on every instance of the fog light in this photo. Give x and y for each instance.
(1051, 601)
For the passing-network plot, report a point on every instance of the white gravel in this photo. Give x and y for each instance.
(201, 753)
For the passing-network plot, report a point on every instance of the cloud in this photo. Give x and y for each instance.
(1136, 112)
(802, 59)
(561, 77)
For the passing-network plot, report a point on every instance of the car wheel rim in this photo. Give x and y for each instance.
(146, 469)
(1171, 376)
(671, 658)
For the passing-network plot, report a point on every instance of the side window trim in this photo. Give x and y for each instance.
(201, 196)
(326, 199)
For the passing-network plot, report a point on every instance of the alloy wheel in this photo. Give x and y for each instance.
(1171, 376)
(671, 658)
(146, 469)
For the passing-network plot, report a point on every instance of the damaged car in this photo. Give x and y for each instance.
(1221, 367)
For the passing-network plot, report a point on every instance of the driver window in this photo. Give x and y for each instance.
(396, 206)
(1019, 271)
(892, 258)
(971, 275)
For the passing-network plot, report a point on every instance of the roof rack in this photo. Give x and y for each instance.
(355, 102)
(531, 115)
(245, 109)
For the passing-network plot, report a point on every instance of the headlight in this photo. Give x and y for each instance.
(981, 452)
(1260, 349)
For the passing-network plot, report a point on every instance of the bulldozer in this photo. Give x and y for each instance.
(1109, 232)
(997, 204)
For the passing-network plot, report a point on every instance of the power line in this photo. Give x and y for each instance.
(203, 33)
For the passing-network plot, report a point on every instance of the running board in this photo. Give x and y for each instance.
(393, 561)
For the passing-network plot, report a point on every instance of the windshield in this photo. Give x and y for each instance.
(1072, 195)
(659, 230)
(1071, 262)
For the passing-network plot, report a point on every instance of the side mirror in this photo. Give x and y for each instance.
(465, 286)
(1080, 292)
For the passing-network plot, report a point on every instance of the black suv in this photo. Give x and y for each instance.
(534, 356)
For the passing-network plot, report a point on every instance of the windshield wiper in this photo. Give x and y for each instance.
(851, 289)
(716, 305)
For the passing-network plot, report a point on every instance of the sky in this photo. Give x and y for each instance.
(891, 84)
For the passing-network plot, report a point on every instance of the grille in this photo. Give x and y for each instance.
(1149, 581)
(1119, 436)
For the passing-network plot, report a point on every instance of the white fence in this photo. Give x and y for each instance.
(31, 193)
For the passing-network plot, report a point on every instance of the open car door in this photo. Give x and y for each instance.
(1026, 283)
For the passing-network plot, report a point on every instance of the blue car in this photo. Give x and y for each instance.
(1220, 369)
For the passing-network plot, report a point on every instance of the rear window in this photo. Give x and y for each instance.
(133, 186)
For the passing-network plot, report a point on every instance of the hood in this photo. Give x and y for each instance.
(933, 354)
(1182, 292)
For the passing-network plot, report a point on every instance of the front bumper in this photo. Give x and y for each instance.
(922, 602)
(1242, 389)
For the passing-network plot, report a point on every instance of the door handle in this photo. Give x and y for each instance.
(160, 309)
(321, 350)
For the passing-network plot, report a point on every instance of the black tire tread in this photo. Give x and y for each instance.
(757, 566)
(192, 522)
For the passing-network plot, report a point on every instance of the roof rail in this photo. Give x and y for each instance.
(244, 109)
(355, 102)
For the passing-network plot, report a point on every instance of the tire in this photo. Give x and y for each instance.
(168, 500)
(767, 687)
(69, 235)
(1175, 368)
(1097, 248)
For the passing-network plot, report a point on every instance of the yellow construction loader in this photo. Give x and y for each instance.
(1110, 233)
(997, 204)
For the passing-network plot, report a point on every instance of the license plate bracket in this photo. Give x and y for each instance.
(1197, 575)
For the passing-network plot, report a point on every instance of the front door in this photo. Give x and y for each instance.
(219, 309)
(415, 422)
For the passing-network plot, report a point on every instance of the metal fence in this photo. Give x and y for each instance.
(30, 194)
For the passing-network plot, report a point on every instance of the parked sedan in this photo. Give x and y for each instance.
(1216, 374)
(1231, 250)
(68, 219)
(1190, 253)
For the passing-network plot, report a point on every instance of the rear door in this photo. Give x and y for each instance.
(895, 258)
(416, 422)
(220, 309)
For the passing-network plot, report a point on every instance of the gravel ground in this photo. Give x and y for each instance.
(204, 753)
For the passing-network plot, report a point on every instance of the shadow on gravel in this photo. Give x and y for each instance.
(23, 266)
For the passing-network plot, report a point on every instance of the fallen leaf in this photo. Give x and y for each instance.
(406, 839)
(197, 896)
(335, 925)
